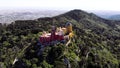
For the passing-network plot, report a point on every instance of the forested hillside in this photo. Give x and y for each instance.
(96, 43)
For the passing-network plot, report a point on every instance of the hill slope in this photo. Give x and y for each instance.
(96, 42)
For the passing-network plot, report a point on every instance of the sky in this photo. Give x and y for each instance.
(62, 4)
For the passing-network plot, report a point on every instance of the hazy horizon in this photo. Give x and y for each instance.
(14, 10)
(102, 7)
(10, 15)
(61, 4)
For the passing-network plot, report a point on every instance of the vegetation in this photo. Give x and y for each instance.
(96, 43)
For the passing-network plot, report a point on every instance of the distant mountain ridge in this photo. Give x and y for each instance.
(78, 18)
(82, 17)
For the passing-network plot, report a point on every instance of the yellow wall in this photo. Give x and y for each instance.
(69, 28)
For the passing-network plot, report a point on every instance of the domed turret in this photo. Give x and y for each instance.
(69, 27)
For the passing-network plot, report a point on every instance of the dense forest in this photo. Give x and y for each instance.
(96, 43)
